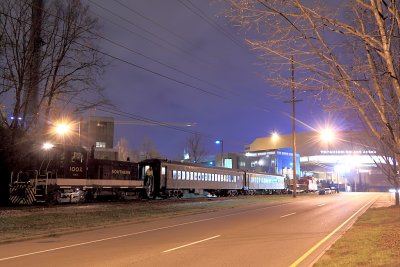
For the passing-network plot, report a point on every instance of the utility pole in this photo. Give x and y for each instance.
(293, 101)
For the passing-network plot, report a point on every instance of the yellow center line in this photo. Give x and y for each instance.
(305, 255)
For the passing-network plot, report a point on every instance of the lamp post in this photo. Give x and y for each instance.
(221, 142)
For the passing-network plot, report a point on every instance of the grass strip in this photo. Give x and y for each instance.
(374, 240)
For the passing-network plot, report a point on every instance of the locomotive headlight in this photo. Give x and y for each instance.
(47, 146)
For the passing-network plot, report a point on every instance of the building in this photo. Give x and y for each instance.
(347, 160)
(98, 133)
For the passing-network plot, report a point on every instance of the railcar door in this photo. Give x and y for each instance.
(151, 179)
(156, 180)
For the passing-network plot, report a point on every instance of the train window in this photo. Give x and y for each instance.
(184, 176)
(179, 174)
(174, 176)
(195, 175)
(191, 176)
(163, 171)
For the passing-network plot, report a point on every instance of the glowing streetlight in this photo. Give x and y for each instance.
(275, 136)
(62, 128)
(221, 142)
(327, 135)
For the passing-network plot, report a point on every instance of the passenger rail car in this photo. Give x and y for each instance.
(262, 183)
(69, 174)
(176, 179)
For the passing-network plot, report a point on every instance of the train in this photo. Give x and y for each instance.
(71, 174)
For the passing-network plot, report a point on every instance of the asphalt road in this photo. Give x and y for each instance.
(268, 234)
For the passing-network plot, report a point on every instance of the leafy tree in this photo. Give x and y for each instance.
(347, 54)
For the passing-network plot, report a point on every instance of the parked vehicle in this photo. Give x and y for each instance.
(328, 191)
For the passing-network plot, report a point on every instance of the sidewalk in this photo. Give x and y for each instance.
(385, 200)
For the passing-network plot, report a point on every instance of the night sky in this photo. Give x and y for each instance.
(181, 61)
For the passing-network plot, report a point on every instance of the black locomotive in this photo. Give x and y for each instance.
(68, 173)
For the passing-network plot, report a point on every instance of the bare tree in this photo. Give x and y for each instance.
(49, 61)
(386, 163)
(347, 54)
(149, 150)
(196, 148)
(48, 58)
(124, 151)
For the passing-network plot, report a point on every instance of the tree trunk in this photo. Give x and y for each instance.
(396, 195)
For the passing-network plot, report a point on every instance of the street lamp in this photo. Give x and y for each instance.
(221, 142)
(327, 135)
(62, 128)
(275, 136)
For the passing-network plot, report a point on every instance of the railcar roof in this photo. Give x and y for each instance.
(147, 161)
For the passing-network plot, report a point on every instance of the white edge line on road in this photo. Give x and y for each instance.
(311, 250)
(288, 214)
(135, 233)
(193, 243)
(320, 205)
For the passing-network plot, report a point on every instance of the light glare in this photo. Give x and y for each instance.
(47, 146)
(327, 135)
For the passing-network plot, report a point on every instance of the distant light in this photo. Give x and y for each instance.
(393, 190)
(211, 163)
(47, 146)
(218, 142)
(341, 168)
(275, 136)
(18, 118)
(186, 156)
(261, 162)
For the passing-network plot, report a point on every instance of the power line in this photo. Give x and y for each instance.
(210, 21)
(150, 33)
